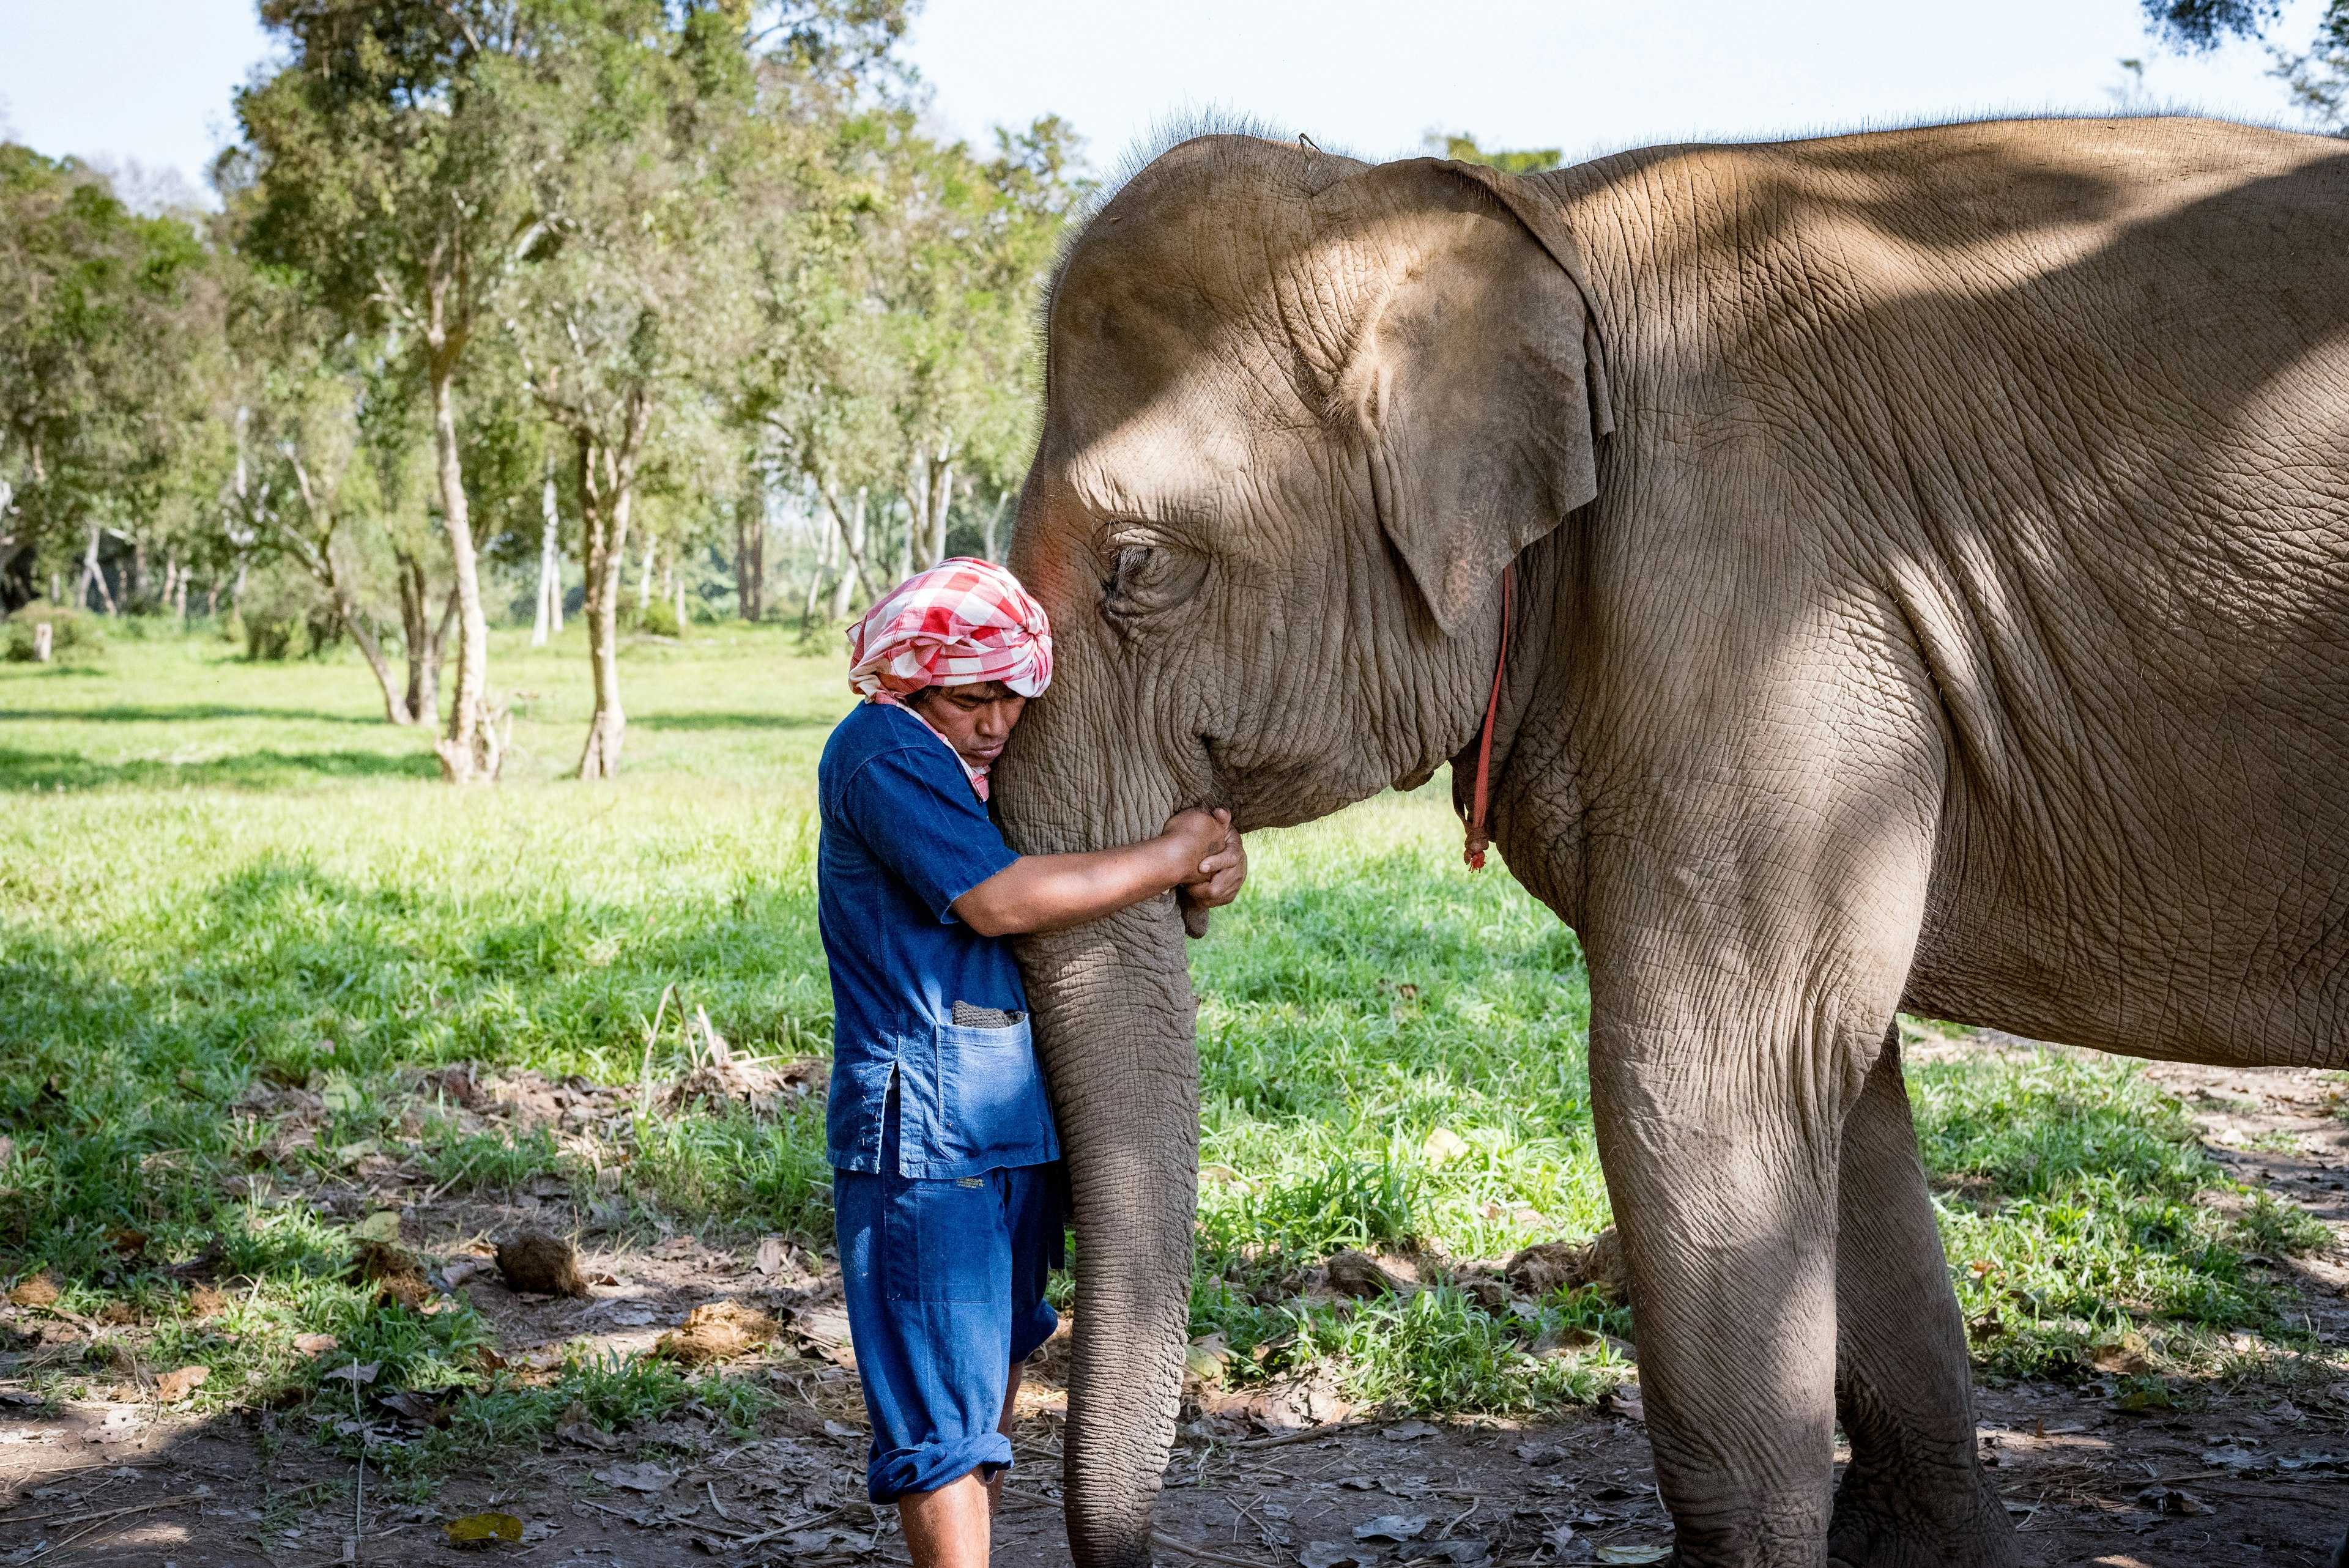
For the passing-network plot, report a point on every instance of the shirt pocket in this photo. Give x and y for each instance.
(990, 1094)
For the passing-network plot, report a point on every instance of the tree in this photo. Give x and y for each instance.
(387, 169)
(302, 469)
(108, 324)
(624, 306)
(2317, 76)
(896, 301)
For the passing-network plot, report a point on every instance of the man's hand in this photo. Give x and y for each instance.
(1199, 837)
(1222, 874)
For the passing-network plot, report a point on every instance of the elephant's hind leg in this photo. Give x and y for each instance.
(1914, 1495)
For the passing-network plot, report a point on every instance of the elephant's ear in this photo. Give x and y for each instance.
(1476, 374)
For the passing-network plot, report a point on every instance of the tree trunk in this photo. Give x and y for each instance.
(424, 636)
(851, 524)
(941, 504)
(606, 491)
(815, 591)
(472, 750)
(548, 620)
(317, 549)
(93, 578)
(644, 577)
(993, 519)
(751, 553)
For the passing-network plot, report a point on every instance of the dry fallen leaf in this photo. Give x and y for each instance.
(1392, 1527)
(774, 1255)
(315, 1344)
(38, 1291)
(637, 1476)
(205, 1302)
(174, 1386)
(1329, 1554)
(479, 1527)
(576, 1426)
(2122, 1359)
(718, 1331)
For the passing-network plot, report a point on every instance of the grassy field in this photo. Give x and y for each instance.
(213, 871)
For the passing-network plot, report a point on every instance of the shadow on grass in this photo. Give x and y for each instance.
(134, 713)
(704, 721)
(24, 770)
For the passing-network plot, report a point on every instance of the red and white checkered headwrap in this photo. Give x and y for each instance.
(960, 623)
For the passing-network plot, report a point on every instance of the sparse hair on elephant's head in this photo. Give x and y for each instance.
(1296, 403)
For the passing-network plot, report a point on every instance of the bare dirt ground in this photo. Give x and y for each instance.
(2242, 1475)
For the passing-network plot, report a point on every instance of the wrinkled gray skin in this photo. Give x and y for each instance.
(1956, 618)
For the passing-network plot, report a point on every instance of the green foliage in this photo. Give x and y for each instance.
(659, 616)
(73, 634)
(2074, 1210)
(1531, 162)
(102, 346)
(2207, 24)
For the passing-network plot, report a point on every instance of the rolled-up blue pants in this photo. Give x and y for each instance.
(946, 1290)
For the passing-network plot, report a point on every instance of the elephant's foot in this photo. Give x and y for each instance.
(1883, 1521)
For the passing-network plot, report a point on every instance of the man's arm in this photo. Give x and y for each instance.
(1048, 892)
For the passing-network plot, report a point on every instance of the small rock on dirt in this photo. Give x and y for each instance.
(536, 1261)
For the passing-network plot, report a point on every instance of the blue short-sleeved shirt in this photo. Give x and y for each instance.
(904, 837)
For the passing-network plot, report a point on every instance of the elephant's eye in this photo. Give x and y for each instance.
(1144, 579)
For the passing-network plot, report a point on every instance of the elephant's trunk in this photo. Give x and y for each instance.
(1113, 1015)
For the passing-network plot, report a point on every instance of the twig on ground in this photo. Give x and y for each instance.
(1284, 1440)
(73, 1517)
(1454, 1522)
(1160, 1538)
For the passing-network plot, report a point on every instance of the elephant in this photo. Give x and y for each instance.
(1923, 560)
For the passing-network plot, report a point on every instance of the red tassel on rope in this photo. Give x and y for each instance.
(1478, 843)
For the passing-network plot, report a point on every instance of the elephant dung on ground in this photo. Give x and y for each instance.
(1931, 590)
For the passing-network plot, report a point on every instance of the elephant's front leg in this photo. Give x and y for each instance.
(1914, 1495)
(1727, 1209)
(1747, 954)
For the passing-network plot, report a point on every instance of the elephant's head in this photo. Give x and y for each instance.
(1299, 413)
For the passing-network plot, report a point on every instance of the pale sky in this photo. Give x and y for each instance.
(149, 81)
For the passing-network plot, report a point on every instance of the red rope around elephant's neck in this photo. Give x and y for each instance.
(1477, 841)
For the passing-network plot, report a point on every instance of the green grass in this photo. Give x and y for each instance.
(213, 871)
